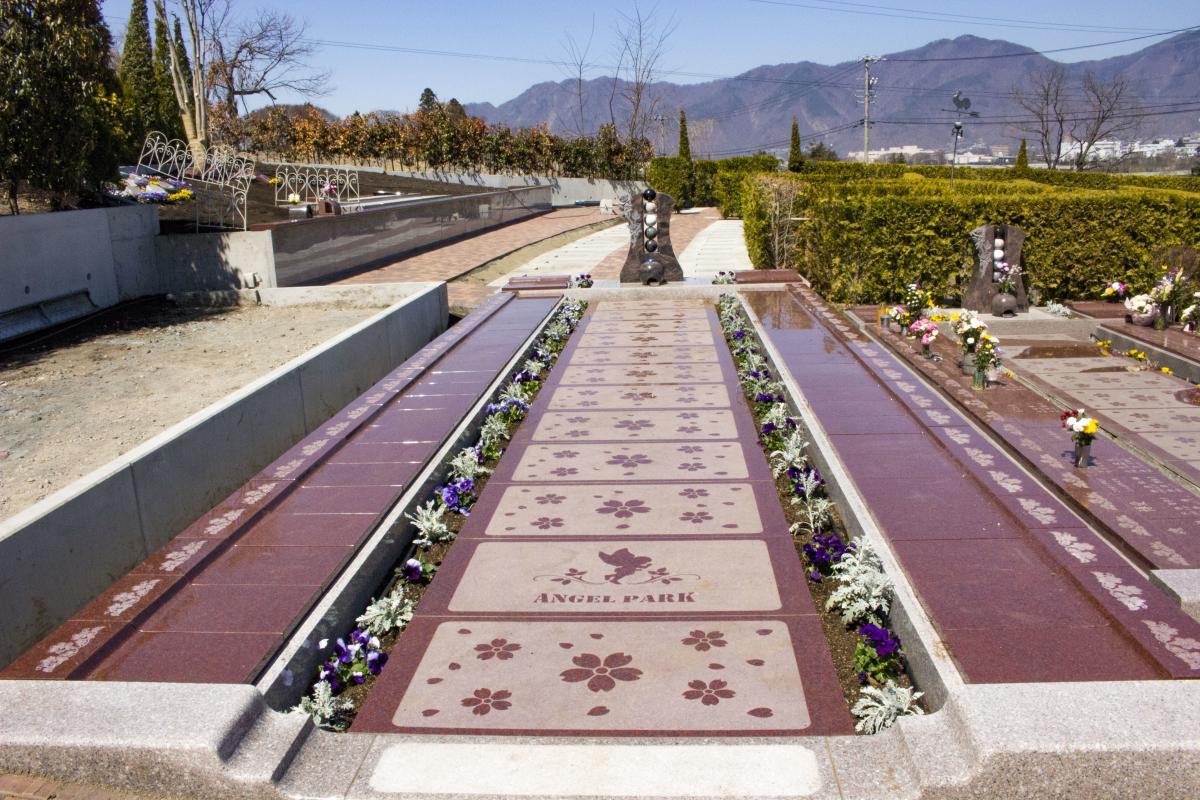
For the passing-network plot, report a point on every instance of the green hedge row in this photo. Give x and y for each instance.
(707, 183)
(864, 241)
(849, 170)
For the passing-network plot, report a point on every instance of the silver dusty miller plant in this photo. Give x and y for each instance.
(864, 591)
(390, 612)
(321, 705)
(467, 465)
(430, 522)
(790, 456)
(879, 707)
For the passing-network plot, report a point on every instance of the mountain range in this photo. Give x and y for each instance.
(912, 103)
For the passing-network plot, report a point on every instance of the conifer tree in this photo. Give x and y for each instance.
(137, 73)
(168, 121)
(1022, 157)
(795, 156)
(685, 147)
(185, 63)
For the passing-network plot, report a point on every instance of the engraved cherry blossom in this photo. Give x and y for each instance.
(690, 448)
(601, 676)
(688, 399)
(484, 700)
(588, 403)
(635, 424)
(695, 517)
(632, 395)
(576, 433)
(689, 415)
(691, 466)
(643, 354)
(563, 472)
(640, 373)
(709, 693)
(692, 494)
(630, 462)
(704, 641)
(643, 339)
(500, 649)
(623, 510)
(551, 499)
(578, 420)
(546, 523)
(565, 453)
(688, 429)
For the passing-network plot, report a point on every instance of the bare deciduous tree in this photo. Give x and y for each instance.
(782, 196)
(577, 68)
(1045, 100)
(189, 88)
(263, 55)
(641, 43)
(1101, 110)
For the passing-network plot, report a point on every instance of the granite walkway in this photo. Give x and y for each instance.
(1018, 586)
(628, 569)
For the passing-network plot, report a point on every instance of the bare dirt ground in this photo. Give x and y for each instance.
(78, 399)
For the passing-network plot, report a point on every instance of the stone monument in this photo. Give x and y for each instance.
(651, 259)
(995, 244)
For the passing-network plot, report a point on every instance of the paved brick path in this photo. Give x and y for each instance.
(1020, 589)
(448, 262)
(684, 228)
(628, 569)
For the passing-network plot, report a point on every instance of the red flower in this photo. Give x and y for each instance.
(601, 676)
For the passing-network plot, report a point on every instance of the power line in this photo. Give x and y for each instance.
(942, 16)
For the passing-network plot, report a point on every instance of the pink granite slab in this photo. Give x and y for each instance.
(627, 510)
(582, 426)
(581, 372)
(648, 395)
(655, 326)
(639, 339)
(607, 677)
(620, 462)
(636, 356)
(626, 576)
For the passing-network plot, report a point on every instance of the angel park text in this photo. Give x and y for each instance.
(588, 599)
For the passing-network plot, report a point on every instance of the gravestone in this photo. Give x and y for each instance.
(651, 259)
(983, 286)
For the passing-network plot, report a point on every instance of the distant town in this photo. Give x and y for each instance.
(1151, 154)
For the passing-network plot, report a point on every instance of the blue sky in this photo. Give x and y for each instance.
(722, 37)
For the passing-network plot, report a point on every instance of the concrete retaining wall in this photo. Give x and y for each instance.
(321, 248)
(60, 553)
(213, 262)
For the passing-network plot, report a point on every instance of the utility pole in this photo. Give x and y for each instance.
(867, 93)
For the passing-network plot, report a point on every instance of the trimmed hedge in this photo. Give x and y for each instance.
(865, 240)
(708, 183)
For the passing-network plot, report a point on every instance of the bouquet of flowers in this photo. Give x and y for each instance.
(1114, 291)
(1191, 316)
(900, 315)
(148, 189)
(968, 327)
(987, 352)
(1082, 427)
(1141, 304)
(926, 330)
(917, 299)
(1006, 275)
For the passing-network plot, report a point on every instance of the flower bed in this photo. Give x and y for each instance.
(152, 189)
(356, 660)
(845, 578)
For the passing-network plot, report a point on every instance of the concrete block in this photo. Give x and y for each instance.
(58, 554)
(1183, 585)
(192, 466)
(52, 255)
(156, 739)
(135, 261)
(215, 261)
(326, 765)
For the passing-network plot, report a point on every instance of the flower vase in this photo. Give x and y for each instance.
(1082, 453)
(967, 364)
(904, 331)
(1144, 320)
(1004, 305)
(980, 380)
(927, 351)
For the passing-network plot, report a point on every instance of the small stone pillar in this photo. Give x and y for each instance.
(990, 240)
(651, 259)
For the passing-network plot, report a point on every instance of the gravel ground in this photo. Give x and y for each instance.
(73, 402)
